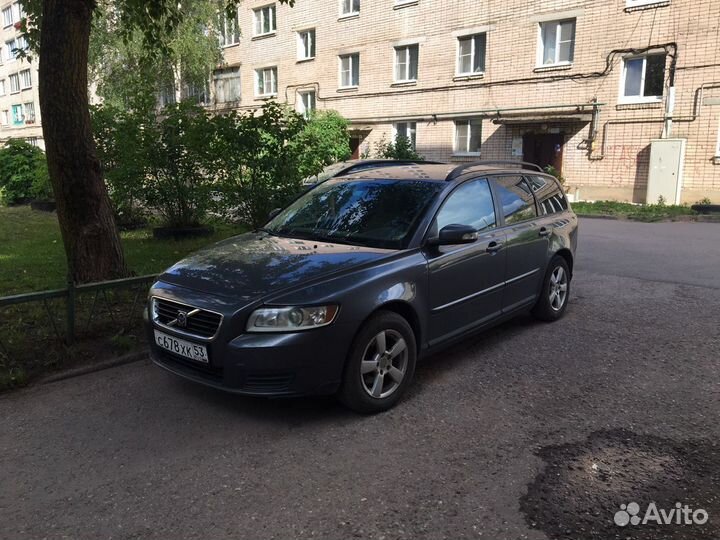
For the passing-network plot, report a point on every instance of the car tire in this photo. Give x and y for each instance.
(380, 365)
(555, 292)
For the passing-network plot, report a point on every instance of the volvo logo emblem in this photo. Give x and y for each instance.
(182, 319)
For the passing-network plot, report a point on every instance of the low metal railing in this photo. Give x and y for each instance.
(65, 322)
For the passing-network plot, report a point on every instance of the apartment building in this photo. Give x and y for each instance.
(585, 86)
(19, 102)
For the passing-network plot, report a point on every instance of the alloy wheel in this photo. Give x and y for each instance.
(384, 364)
(558, 288)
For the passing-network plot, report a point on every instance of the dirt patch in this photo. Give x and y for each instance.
(583, 486)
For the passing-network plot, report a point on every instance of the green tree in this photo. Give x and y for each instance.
(60, 31)
(23, 172)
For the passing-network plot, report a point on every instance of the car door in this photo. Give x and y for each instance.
(465, 281)
(526, 241)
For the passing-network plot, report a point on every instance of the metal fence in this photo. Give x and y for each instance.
(33, 323)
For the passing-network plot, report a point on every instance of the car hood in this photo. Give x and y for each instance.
(253, 265)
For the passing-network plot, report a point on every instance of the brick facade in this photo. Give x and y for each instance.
(17, 105)
(514, 97)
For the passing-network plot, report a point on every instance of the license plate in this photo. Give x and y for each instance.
(182, 347)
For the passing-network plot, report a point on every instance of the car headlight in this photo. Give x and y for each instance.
(290, 319)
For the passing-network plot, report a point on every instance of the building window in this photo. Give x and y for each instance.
(8, 19)
(407, 130)
(227, 85)
(349, 70)
(557, 42)
(471, 54)
(17, 115)
(349, 7)
(306, 103)
(306, 44)
(14, 83)
(229, 30)
(29, 111)
(11, 50)
(406, 63)
(25, 79)
(266, 81)
(265, 22)
(643, 78)
(468, 134)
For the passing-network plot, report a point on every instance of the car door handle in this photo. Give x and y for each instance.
(544, 231)
(494, 247)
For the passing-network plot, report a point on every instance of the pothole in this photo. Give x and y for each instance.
(583, 486)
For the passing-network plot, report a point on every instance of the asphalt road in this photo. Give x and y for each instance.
(528, 431)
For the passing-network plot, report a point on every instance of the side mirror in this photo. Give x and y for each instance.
(274, 213)
(454, 234)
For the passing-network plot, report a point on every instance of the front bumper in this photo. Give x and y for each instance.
(310, 362)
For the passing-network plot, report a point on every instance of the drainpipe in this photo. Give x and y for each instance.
(670, 101)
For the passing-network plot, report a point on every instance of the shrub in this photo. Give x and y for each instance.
(180, 171)
(122, 147)
(400, 148)
(23, 173)
(263, 158)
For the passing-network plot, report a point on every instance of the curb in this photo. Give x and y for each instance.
(99, 366)
(598, 216)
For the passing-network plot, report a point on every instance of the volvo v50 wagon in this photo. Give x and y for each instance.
(342, 291)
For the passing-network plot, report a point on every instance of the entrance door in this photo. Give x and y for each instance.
(355, 142)
(544, 149)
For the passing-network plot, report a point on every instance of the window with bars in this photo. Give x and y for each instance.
(557, 42)
(265, 20)
(349, 70)
(406, 63)
(471, 54)
(29, 112)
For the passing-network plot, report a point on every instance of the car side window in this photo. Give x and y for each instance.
(548, 193)
(470, 204)
(516, 199)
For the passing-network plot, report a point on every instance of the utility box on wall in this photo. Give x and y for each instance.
(665, 175)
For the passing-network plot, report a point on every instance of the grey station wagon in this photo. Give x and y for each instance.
(342, 291)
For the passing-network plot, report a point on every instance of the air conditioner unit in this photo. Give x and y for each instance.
(665, 175)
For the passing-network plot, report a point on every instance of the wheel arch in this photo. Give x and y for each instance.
(566, 254)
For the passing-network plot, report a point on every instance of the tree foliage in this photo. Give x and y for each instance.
(400, 148)
(23, 173)
(238, 165)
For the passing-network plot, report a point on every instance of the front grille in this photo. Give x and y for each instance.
(203, 324)
(268, 383)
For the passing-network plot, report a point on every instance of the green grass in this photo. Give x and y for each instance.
(32, 256)
(638, 212)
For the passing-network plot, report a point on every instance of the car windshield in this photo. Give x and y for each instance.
(373, 213)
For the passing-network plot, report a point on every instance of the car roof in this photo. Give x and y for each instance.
(426, 171)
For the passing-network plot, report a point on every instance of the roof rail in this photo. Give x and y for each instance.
(370, 163)
(457, 171)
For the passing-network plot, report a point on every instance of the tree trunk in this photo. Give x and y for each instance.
(91, 239)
